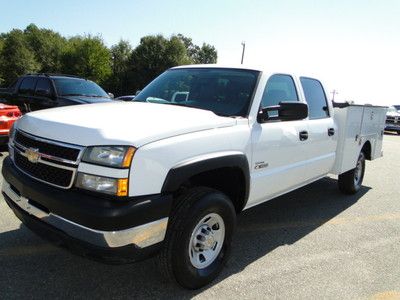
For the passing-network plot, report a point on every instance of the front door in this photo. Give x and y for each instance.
(280, 148)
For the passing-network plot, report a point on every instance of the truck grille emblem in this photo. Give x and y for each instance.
(32, 155)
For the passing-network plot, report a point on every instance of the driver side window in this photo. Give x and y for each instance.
(279, 87)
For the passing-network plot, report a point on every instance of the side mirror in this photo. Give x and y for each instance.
(286, 111)
(137, 92)
(111, 95)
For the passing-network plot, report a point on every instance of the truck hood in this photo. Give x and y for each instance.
(393, 114)
(119, 123)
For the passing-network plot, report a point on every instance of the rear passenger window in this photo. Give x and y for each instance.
(315, 97)
(279, 88)
(43, 87)
(27, 86)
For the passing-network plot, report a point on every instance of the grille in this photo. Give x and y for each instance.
(47, 148)
(393, 120)
(50, 174)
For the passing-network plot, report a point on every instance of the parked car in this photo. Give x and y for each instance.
(168, 172)
(393, 119)
(126, 98)
(8, 115)
(39, 91)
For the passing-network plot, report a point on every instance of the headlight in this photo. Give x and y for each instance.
(112, 186)
(111, 156)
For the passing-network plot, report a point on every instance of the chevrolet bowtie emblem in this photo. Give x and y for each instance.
(32, 155)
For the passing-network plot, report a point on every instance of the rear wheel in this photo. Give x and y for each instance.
(198, 238)
(351, 181)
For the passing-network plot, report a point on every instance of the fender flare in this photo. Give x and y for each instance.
(181, 173)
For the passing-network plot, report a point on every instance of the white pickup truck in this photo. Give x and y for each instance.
(169, 172)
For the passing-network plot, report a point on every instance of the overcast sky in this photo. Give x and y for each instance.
(353, 46)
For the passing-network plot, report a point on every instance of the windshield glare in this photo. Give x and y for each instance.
(78, 87)
(226, 92)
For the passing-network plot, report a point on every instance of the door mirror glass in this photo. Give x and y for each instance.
(284, 111)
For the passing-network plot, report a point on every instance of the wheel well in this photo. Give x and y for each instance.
(367, 150)
(228, 180)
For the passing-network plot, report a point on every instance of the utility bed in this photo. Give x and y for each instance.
(356, 124)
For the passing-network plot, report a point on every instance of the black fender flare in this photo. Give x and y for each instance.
(181, 173)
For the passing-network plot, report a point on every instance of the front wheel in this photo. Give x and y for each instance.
(198, 238)
(351, 181)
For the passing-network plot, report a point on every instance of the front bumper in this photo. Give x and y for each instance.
(86, 219)
(392, 127)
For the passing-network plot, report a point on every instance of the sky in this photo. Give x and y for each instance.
(353, 47)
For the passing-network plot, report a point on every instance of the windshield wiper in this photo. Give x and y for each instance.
(85, 95)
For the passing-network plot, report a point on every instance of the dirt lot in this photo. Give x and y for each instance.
(310, 244)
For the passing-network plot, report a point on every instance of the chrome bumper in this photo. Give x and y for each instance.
(142, 236)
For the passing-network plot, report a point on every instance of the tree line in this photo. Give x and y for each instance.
(120, 69)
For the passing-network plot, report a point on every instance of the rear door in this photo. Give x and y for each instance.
(44, 95)
(280, 148)
(26, 93)
(322, 130)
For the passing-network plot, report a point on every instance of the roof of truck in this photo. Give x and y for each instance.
(259, 68)
(230, 66)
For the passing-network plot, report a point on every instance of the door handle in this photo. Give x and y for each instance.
(331, 131)
(303, 135)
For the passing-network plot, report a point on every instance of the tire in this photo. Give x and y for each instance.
(351, 181)
(183, 248)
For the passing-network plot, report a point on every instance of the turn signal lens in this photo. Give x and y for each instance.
(122, 187)
(128, 157)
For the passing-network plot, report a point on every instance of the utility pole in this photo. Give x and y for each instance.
(244, 48)
(334, 92)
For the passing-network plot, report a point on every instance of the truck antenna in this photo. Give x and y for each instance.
(334, 92)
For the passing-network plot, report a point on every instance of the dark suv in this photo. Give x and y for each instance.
(39, 91)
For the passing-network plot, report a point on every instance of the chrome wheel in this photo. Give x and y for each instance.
(206, 241)
(358, 171)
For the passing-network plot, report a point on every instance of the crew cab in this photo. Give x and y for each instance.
(40, 91)
(168, 173)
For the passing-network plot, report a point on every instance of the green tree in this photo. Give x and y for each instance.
(120, 54)
(153, 56)
(87, 57)
(206, 55)
(1, 59)
(47, 46)
(17, 57)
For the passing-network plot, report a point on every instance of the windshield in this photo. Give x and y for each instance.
(397, 107)
(78, 87)
(226, 92)
(392, 109)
